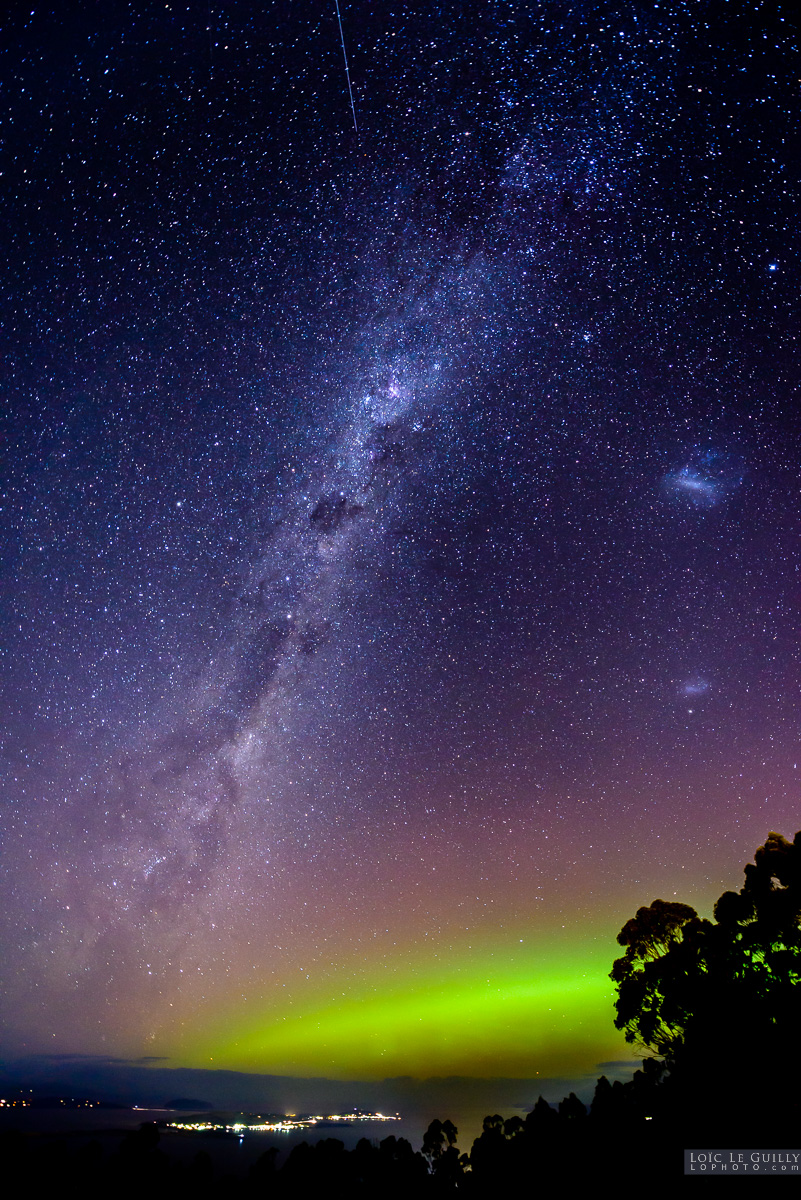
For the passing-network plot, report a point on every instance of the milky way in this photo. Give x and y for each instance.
(402, 574)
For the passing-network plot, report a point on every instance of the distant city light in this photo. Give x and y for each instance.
(283, 1124)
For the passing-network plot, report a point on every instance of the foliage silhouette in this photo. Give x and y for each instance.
(434, 1141)
(719, 1000)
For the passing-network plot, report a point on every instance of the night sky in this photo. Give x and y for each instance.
(400, 531)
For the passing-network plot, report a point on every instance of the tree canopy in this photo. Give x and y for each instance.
(720, 997)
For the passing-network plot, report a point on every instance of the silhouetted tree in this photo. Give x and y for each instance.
(488, 1157)
(719, 1000)
(402, 1170)
(448, 1169)
(512, 1127)
(603, 1101)
(571, 1108)
(646, 1010)
(450, 1131)
(433, 1140)
(542, 1118)
(262, 1173)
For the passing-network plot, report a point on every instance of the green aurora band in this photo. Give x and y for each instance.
(542, 1013)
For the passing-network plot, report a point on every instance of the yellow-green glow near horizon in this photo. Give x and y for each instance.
(549, 1017)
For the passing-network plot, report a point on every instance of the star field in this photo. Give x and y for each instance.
(401, 569)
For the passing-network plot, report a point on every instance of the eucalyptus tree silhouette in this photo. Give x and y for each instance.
(719, 1000)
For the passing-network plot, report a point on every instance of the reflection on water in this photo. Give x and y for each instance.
(232, 1152)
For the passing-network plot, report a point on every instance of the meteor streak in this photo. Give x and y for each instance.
(347, 69)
